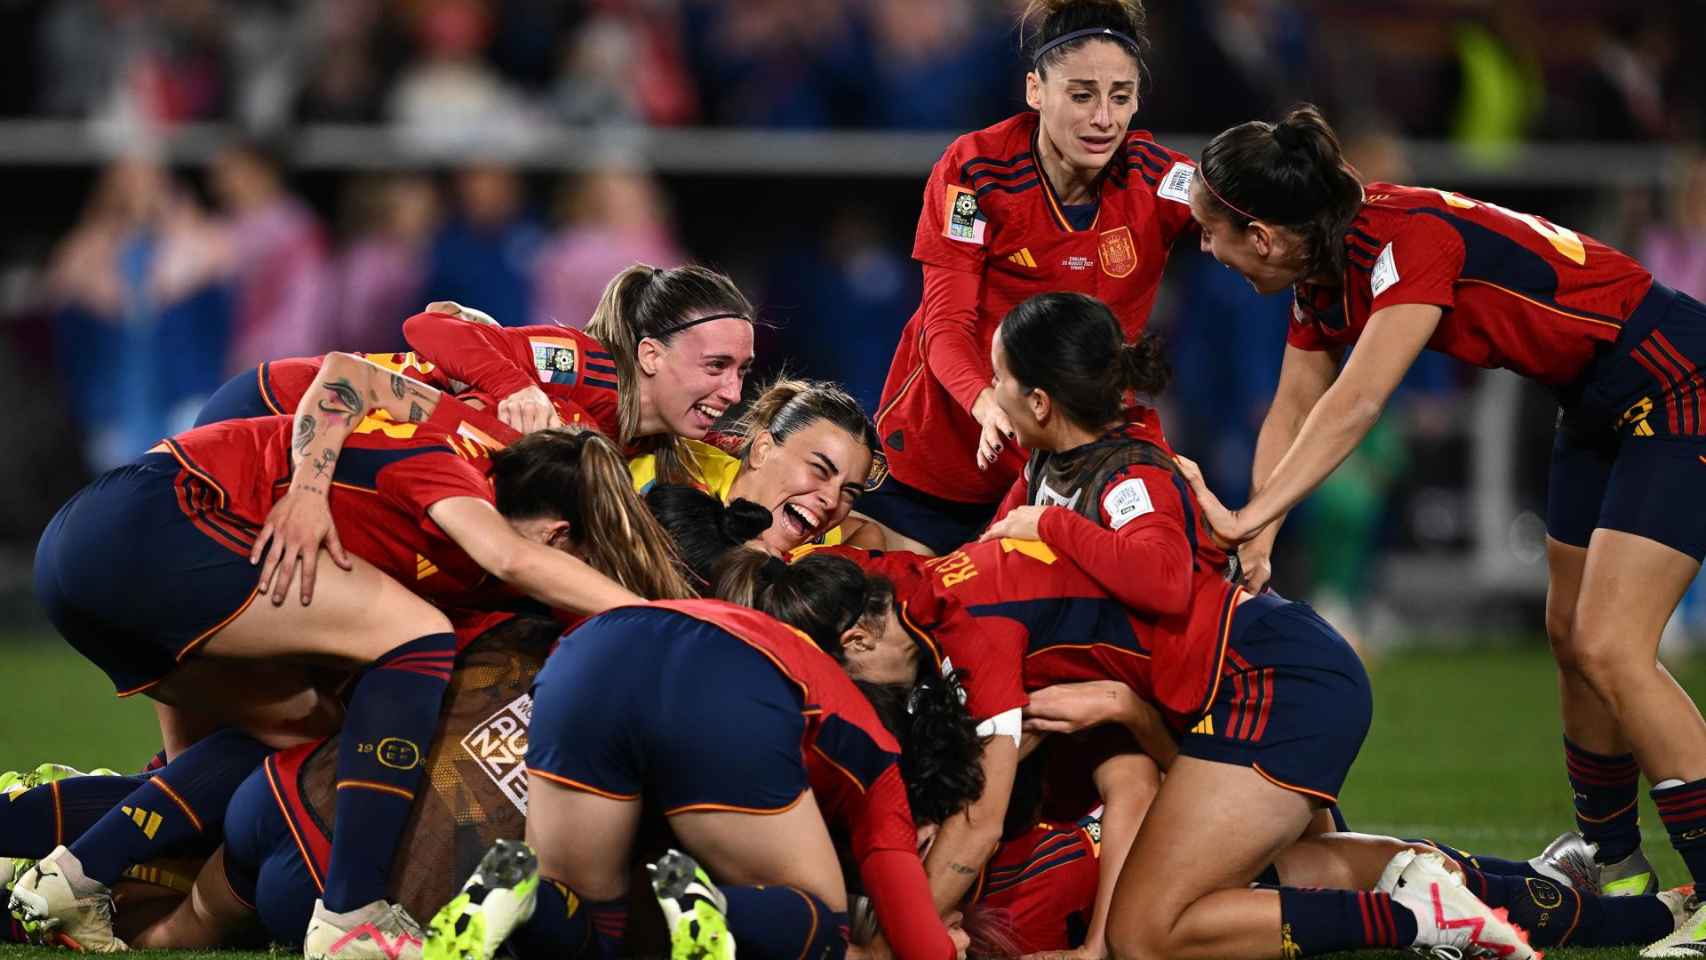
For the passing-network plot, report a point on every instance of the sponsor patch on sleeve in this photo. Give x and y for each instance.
(1176, 185)
(1128, 500)
(965, 222)
(1385, 272)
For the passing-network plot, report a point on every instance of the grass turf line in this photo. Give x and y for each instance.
(1465, 749)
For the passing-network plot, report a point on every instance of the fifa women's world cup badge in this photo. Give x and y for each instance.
(965, 222)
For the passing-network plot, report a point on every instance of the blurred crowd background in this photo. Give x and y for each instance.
(137, 276)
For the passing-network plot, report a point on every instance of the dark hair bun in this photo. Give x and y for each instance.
(743, 520)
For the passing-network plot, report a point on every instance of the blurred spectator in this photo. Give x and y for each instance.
(1503, 90)
(278, 261)
(1257, 53)
(1626, 95)
(141, 323)
(352, 50)
(841, 299)
(484, 256)
(938, 66)
(609, 220)
(451, 94)
(378, 277)
(162, 62)
(774, 63)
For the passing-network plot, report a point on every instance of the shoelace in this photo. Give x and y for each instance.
(1440, 951)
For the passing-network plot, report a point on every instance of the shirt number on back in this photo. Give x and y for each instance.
(1563, 239)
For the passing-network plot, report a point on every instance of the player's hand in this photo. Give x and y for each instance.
(997, 429)
(295, 529)
(1253, 561)
(528, 410)
(957, 933)
(454, 309)
(1223, 524)
(1071, 707)
(1020, 523)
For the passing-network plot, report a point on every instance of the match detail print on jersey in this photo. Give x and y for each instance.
(1127, 501)
(1176, 185)
(1385, 272)
(965, 222)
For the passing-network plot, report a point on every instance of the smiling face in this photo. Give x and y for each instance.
(1264, 255)
(1086, 102)
(695, 378)
(809, 482)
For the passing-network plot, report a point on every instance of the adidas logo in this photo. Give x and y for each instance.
(148, 821)
(1023, 258)
(424, 568)
(1206, 726)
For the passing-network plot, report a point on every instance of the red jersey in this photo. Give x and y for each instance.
(990, 652)
(1517, 292)
(1045, 881)
(570, 366)
(853, 765)
(573, 369)
(992, 234)
(387, 477)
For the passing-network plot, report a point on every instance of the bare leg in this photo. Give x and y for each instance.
(1630, 587)
(1177, 900)
(1588, 722)
(790, 849)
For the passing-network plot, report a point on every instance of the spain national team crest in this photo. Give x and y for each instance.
(1119, 253)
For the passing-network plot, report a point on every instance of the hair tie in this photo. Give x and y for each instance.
(773, 569)
(1108, 32)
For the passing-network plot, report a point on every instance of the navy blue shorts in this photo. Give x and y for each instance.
(1294, 702)
(135, 583)
(646, 701)
(263, 864)
(241, 397)
(1630, 451)
(942, 525)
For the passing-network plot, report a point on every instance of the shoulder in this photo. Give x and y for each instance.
(994, 156)
(1164, 171)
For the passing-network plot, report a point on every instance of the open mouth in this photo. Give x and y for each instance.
(709, 414)
(800, 522)
(1098, 144)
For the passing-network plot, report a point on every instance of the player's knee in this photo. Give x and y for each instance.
(1140, 934)
(1606, 659)
(1560, 627)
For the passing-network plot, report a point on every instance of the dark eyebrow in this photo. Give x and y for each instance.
(826, 463)
(725, 357)
(1117, 84)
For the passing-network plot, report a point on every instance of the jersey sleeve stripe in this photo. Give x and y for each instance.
(983, 175)
(1364, 237)
(1153, 150)
(1004, 188)
(965, 168)
(601, 384)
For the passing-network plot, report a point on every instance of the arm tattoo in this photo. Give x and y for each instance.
(416, 414)
(343, 401)
(323, 465)
(304, 434)
(399, 384)
(962, 869)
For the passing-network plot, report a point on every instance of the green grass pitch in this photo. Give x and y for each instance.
(1465, 748)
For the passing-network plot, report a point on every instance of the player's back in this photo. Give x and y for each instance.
(1516, 290)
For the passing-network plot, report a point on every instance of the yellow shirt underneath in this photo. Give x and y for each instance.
(708, 468)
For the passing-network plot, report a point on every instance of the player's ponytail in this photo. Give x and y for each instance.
(1054, 28)
(819, 595)
(787, 405)
(580, 477)
(703, 528)
(1289, 174)
(940, 751)
(646, 301)
(1069, 346)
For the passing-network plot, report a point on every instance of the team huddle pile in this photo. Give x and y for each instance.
(473, 633)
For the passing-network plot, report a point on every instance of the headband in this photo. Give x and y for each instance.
(667, 331)
(1228, 204)
(1108, 32)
